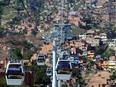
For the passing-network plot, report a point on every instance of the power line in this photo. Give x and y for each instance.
(31, 17)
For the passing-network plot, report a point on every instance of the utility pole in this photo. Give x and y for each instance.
(54, 82)
(59, 83)
(62, 38)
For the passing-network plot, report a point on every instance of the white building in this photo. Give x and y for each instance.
(103, 37)
(112, 64)
(112, 43)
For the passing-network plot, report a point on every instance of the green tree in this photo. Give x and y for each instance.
(89, 65)
(2, 82)
(113, 76)
(16, 54)
(64, 85)
(3, 3)
(109, 52)
(27, 54)
(101, 49)
(1, 28)
(1, 12)
(36, 7)
(40, 75)
(76, 7)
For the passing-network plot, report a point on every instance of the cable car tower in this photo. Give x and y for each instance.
(62, 68)
(65, 71)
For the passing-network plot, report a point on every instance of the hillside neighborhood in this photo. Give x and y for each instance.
(90, 34)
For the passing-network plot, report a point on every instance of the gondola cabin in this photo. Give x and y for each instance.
(14, 73)
(74, 59)
(40, 60)
(49, 71)
(63, 70)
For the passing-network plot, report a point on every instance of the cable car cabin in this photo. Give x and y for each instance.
(49, 71)
(41, 60)
(63, 70)
(74, 59)
(14, 73)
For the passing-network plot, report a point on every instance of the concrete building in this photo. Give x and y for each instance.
(112, 64)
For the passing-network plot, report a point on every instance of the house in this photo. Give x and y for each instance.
(105, 16)
(96, 37)
(103, 1)
(112, 65)
(112, 43)
(90, 32)
(103, 37)
(82, 36)
(77, 43)
(79, 52)
(112, 8)
(83, 46)
(84, 53)
(112, 58)
(103, 64)
(92, 41)
(91, 54)
(76, 31)
(73, 51)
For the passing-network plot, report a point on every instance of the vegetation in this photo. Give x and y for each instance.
(54, 10)
(3, 3)
(89, 65)
(25, 44)
(76, 7)
(64, 85)
(113, 76)
(101, 49)
(1, 12)
(16, 54)
(78, 74)
(108, 53)
(27, 54)
(40, 75)
(35, 7)
(2, 81)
